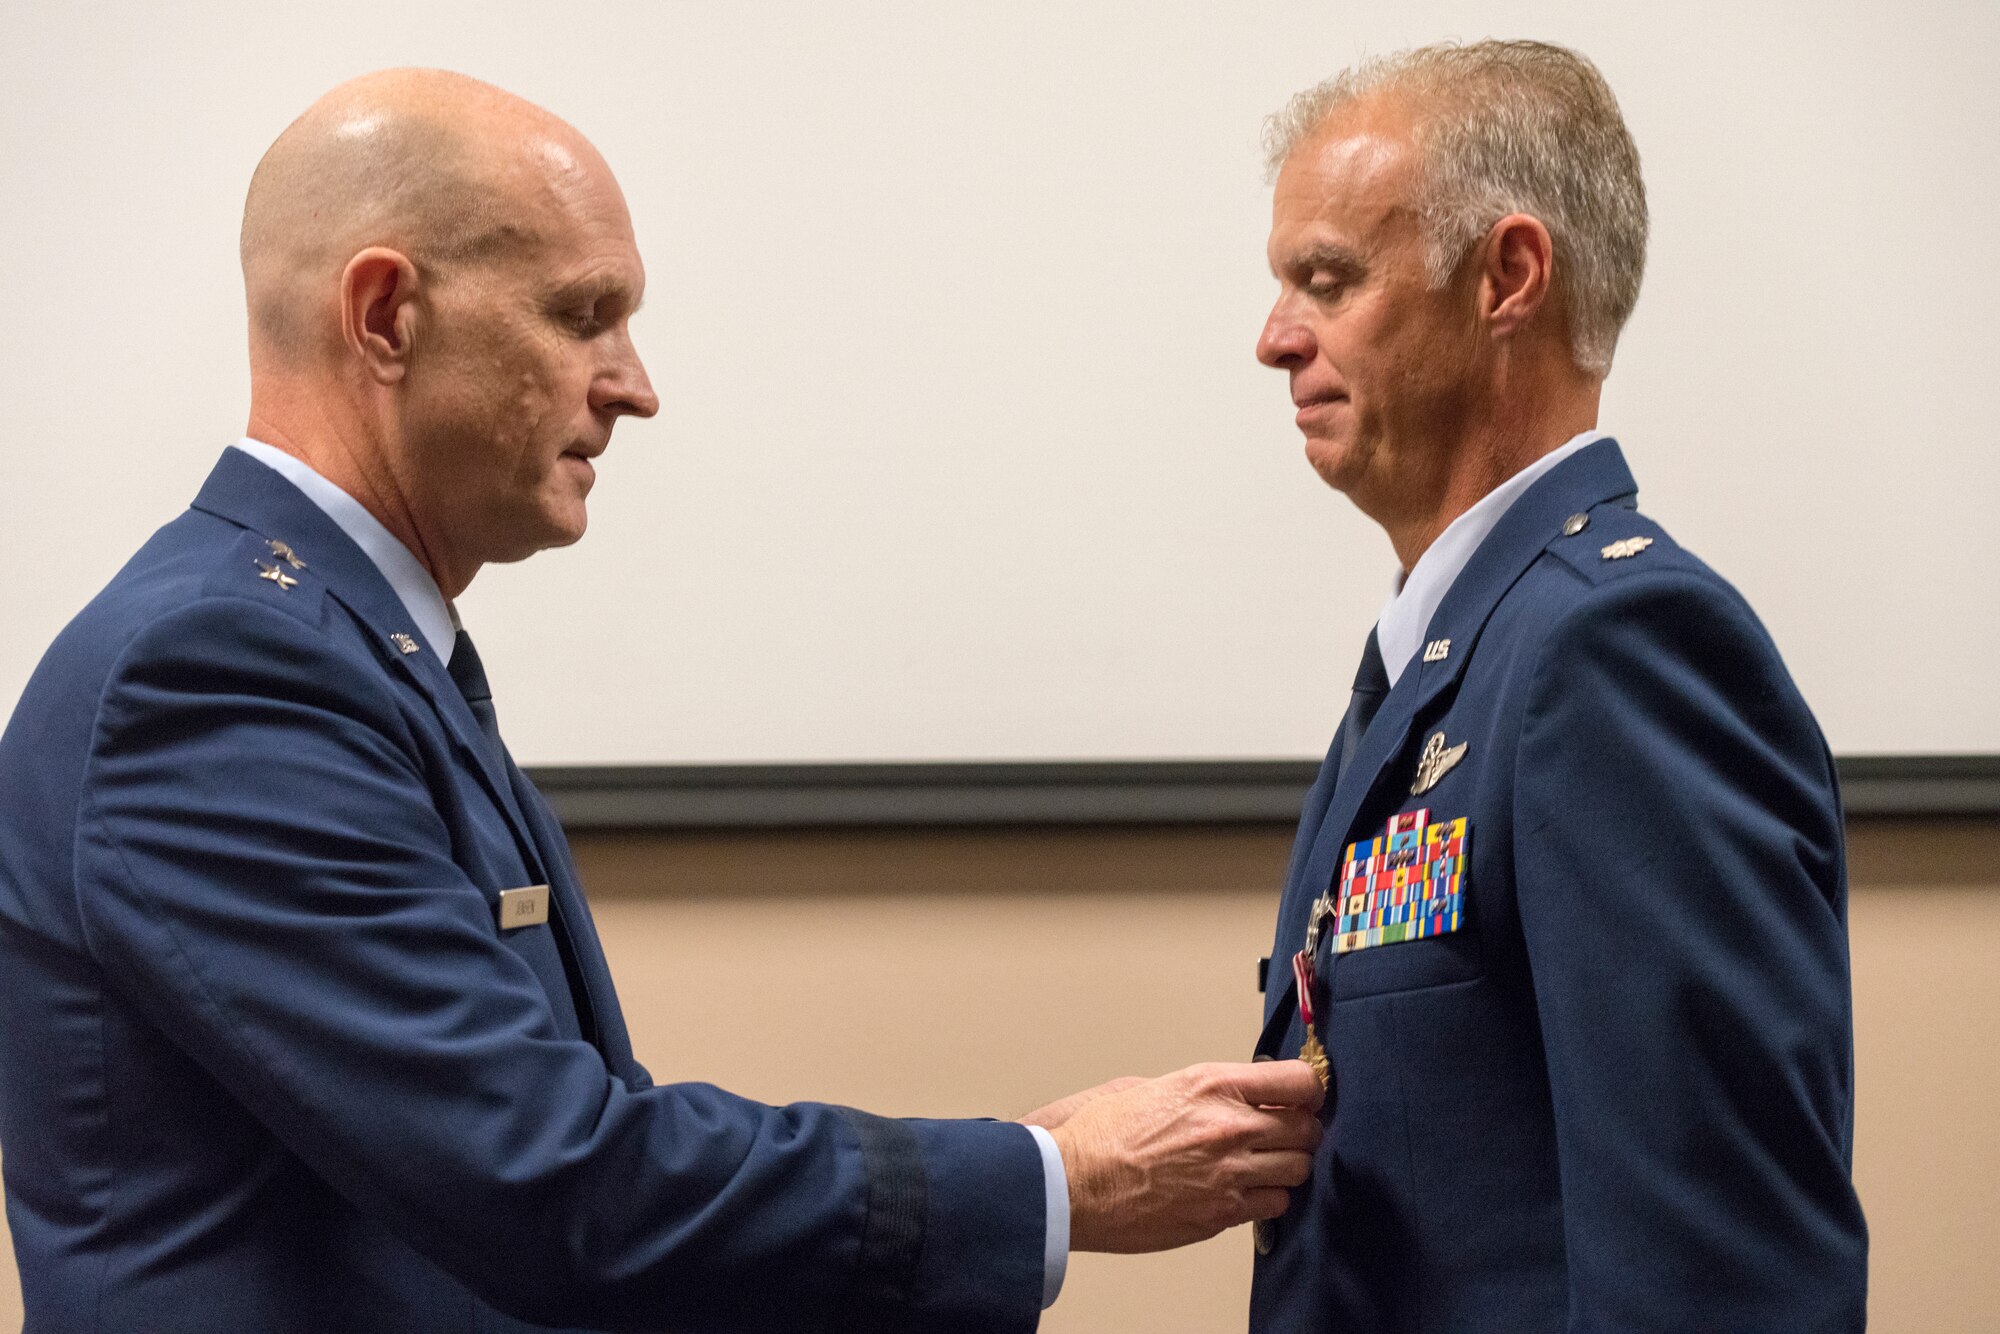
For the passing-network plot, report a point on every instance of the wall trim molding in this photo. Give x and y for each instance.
(1137, 792)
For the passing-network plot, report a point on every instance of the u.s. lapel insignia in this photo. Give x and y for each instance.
(1436, 761)
(1437, 650)
(266, 570)
(285, 554)
(404, 643)
(1626, 547)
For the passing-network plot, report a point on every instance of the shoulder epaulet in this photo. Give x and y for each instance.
(268, 569)
(1613, 540)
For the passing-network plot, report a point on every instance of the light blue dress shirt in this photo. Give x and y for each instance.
(437, 622)
(1400, 631)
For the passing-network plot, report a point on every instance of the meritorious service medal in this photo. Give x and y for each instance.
(1312, 1052)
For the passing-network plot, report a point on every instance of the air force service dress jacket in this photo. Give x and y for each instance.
(1609, 1086)
(268, 1062)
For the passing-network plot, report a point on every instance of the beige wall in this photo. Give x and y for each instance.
(947, 974)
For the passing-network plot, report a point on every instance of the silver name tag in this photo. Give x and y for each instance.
(524, 907)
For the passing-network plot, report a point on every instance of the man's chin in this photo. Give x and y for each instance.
(568, 535)
(1334, 461)
(541, 534)
(564, 519)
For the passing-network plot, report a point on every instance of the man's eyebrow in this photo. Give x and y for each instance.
(1327, 255)
(595, 289)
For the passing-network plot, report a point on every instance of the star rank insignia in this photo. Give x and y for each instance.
(284, 553)
(1436, 761)
(1625, 548)
(266, 570)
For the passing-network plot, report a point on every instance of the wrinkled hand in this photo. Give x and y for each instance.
(1053, 1115)
(1161, 1163)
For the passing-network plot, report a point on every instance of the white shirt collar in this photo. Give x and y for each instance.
(1400, 631)
(406, 575)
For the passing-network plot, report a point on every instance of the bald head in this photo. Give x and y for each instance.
(441, 279)
(437, 166)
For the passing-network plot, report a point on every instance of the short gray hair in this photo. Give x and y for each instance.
(1510, 127)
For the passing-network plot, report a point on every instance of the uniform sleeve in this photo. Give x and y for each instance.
(1681, 887)
(262, 870)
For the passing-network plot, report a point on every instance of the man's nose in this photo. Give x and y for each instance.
(1285, 342)
(627, 391)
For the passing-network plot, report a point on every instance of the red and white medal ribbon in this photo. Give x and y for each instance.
(1302, 972)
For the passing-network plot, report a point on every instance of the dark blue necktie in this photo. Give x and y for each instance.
(469, 675)
(1371, 687)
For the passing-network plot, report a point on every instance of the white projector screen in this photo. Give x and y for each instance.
(963, 453)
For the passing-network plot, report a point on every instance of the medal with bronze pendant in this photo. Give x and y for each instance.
(1312, 1051)
(1314, 1055)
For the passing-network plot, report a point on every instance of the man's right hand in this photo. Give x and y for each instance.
(1177, 1159)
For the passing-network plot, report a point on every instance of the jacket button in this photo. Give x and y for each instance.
(1575, 524)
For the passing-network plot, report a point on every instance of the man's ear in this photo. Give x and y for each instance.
(1517, 269)
(378, 311)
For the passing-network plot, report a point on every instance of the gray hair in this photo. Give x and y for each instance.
(1510, 127)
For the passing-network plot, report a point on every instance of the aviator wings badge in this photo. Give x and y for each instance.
(1436, 761)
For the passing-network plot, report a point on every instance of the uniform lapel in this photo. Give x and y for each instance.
(1595, 475)
(1370, 766)
(245, 492)
(595, 997)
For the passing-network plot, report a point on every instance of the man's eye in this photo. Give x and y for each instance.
(1326, 286)
(582, 322)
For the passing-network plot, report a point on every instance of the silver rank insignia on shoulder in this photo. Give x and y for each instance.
(1436, 761)
(266, 570)
(527, 906)
(1437, 650)
(285, 554)
(404, 643)
(1630, 546)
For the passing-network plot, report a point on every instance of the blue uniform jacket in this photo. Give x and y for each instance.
(1619, 1096)
(268, 1063)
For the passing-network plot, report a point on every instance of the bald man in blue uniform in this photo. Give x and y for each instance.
(304, 1025)
(1565, 922)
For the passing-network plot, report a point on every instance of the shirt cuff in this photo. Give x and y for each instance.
(1055, 1243)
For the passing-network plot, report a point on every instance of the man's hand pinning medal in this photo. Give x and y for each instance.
(1159, 1163)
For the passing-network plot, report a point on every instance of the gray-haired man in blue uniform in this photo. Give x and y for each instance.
(1565, 920)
